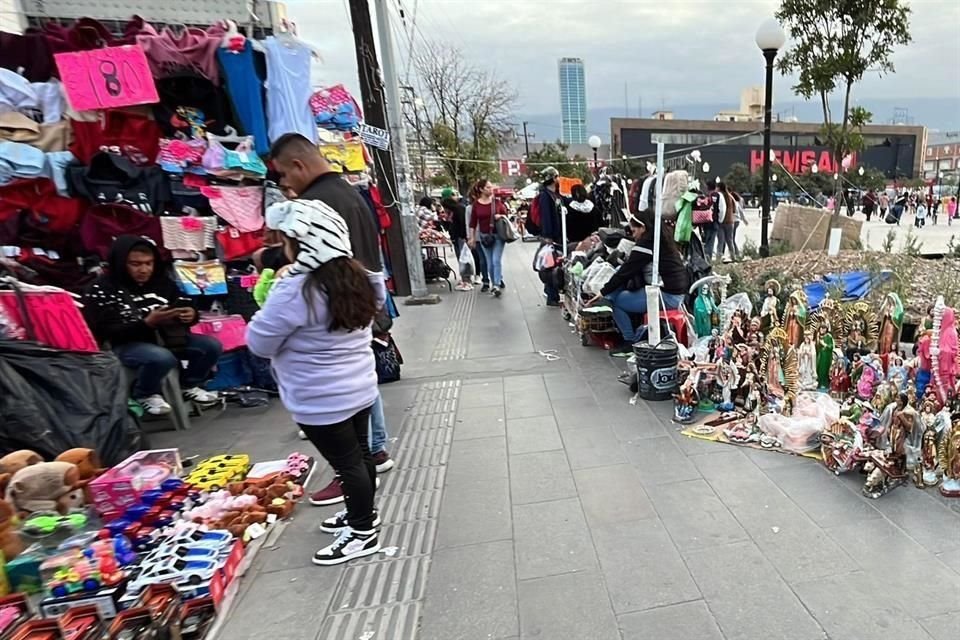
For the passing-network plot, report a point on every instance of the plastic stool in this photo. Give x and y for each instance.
(171, 392)
(677, 319)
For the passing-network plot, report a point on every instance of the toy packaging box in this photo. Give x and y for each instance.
(121, 486)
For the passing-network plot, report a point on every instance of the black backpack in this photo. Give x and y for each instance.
(695, 260)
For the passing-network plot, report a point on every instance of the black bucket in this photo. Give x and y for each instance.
(656, 369)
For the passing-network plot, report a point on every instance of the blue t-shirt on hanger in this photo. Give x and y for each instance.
(244, 82)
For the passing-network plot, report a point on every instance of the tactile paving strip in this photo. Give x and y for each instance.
(452, 344)
(381, 596)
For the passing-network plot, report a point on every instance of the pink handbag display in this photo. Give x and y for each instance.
(52, 318)
(229, 330)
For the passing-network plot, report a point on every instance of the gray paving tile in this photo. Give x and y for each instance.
(612, 494)
(592, 447)
(952, 560)
(304, 599)
(687, 621)
(477, 460)
(630, 551)
(694, 515)
(551, 538)
(822, 495)
(660, 461)
(867, 612)
(568, 607)
(478, 583)
(942, 627)
(566, 386)
(693, 446)
(540, 476)
(473, 513)
(748, 597)
(481, 395)
(526, 435)
(912, 575)
(528, 405)
(479, 422)
(774, 459)
(923, 518)
(584, 415)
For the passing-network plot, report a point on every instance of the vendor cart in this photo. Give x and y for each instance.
(587, 323)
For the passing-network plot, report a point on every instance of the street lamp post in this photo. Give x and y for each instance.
(770, 38)
(594, 143)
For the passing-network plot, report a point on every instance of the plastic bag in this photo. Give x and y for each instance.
(467, 266)
(53, 400)
(800, 432)
(600, 273)
(684, 225)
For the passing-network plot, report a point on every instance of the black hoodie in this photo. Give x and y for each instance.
(115, 305)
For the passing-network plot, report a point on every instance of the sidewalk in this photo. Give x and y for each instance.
(531, 500)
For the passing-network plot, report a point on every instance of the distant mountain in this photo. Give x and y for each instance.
(941, 114)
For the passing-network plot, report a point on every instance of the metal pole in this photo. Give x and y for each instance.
(596, 167)
(769, 54)
(653, 290)
(411, 232)
(526, 141)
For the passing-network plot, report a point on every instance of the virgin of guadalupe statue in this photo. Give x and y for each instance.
(825, 345)
(808, 364)
(795, 318)
(950, 461)
(891, 321)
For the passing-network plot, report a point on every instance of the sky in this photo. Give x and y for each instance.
(668, 52)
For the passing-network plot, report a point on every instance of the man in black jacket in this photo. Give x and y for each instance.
(138, 311)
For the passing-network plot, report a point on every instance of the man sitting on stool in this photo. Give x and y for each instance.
(138, 310)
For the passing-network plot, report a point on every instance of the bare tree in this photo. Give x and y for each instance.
(466, 112)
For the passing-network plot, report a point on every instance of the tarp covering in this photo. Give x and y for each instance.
(53, 400)
(855, 285)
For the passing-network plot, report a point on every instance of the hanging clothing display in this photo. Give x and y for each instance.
(288, 88)
(243, 74)
(192, 51)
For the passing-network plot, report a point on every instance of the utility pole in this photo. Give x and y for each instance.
(381, 98)
(374, 114)
(526, 141)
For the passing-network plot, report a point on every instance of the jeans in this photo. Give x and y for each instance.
(626, 302)
(711, 233)
(480, 260)
(378, 427)
(728, 240)
(494, 259)
(153, 363)
(346, 447)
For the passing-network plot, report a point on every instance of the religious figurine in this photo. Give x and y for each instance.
(842, 446)
(927, 472)
(867, 377)
(887, 469)
(768, 311)
(950, 461)
(728, 378)
(753, 333)
(924, 359)
(795, 318)
(891, 321)
(705, 314)
(897, 372)
(861, 328)
(751, 393)
(943, 351)
(807, 364)
(738, 330)
(712, 344)
(825, 346)
(839, 380)
(686, 399)
(744, 431)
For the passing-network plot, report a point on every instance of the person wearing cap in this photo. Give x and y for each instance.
(315, 327)
(625, 289)
(550, 204)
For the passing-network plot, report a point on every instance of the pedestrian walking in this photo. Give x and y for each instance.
(951, 209)
(869, 204)
(485, 211)
(921, 217)
(458, 234)
(884, 203)
(740, 217)
(727, 224)
(712, 242)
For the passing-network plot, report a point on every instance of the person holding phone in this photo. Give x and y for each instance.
(137, 310)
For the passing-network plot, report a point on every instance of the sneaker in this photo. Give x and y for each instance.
(202, 396)
(553, 303)
(330, 494)
(383, 461)
(301, 434)
(485, 287)
(623, 351)
(463, 286)
(496, 292)
(339, 521)
(503, 285)
(349, 544)
(155, 405)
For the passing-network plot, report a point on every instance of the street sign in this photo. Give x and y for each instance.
(373, 136)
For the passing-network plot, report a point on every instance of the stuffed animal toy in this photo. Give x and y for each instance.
(86, 460)
(10, 542)
(13, 462)
(48, 486)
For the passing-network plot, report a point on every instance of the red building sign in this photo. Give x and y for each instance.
(800, 161)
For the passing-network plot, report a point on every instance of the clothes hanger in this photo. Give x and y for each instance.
(288, 37)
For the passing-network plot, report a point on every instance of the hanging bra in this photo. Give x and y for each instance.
(237, 161)
(188, 233)
(241, 207)
(177, 156)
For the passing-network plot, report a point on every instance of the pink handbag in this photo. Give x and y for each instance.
(229, 330)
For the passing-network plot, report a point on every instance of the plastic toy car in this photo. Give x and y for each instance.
(179, 571)
(80, 576)
(210, 481)
(46, 523)
(217, 540)
(186, 552)
(237, 460)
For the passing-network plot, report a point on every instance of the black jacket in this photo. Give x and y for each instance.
(637, 270)
(115, 305)
(113, 179)
(458, 218)
(344, 199)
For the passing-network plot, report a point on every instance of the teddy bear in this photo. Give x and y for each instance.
(86, 460)
(48, 486)
(10, 542)
(13, 462)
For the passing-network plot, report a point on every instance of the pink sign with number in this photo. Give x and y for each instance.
(106, 78)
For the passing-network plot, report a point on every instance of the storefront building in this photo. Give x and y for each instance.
(894, 150)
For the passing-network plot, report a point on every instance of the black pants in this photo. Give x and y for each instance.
(346, 447)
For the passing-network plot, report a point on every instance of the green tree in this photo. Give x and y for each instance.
(739, 178)
(835, 42)
(554, 154)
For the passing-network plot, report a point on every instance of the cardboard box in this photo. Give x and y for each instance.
(121, 486)
(106, 600)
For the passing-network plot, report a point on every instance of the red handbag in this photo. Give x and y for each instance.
(237, 244)
(703, 210)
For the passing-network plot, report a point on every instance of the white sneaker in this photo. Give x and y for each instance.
(196, 394)
(155, 405)
(301, 434)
